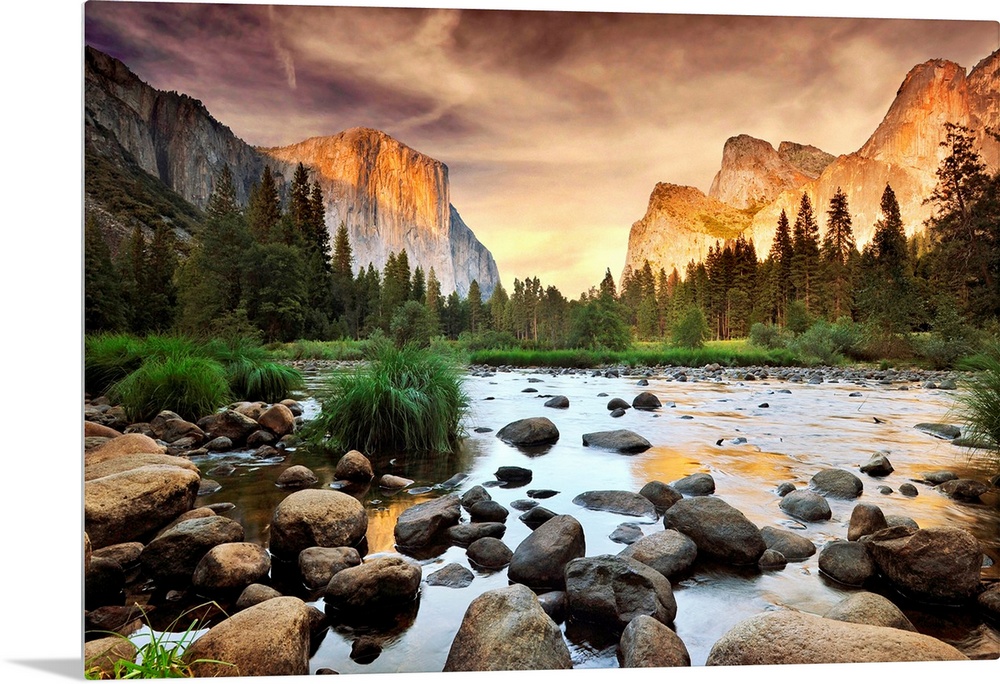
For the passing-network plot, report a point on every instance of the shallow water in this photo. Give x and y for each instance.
(748, 450)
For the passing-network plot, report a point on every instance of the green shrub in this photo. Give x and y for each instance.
(191, 386)
(692, 329)
(402, 399)
(489, 339)
(817, 344)
(980, 406)
(768, 336)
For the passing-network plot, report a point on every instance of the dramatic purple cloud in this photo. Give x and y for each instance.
(555, 125)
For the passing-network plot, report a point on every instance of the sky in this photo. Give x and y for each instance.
(555, 126)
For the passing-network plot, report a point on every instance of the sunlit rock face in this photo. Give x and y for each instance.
(391, 198)
(904, 151)
(169, 135)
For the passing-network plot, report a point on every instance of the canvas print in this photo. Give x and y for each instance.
(428, 340)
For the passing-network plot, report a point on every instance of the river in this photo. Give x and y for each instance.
(750, 436)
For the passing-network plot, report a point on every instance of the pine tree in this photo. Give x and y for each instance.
(264, 208)
(838, 251)
(432, 300)
(103, 307)
(781, 256)
(474, 301)
(806, 256)
(887, 294)
(418, 287)
(223, 202)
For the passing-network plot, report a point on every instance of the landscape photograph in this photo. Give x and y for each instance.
(419, 340)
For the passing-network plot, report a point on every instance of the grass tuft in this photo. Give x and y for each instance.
(980, 407)
(190, 386)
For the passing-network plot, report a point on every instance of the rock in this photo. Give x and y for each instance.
(392, 482)
(785, 488)
(296, 476)
(846, 562)
(254, 594)
(907, 489)
(354, 467)
(840, 484)
(794, 547)
(488, 511)
(940, 430)
(559, 402)
(101, 655)
(529, 432)
(626, 533)
(669, 552)
(772, 560)
(318, 564)
(940, 476)
(513, 475)
(123, 446)
(963, 489)
(218, 444)
(452, 575)
(806, 505)
(475, 495)
(268, 639)
(278, 420)
(935, 565)
(622, 441)
(554, 604)
(865, 519)
(539, 561)
(719, 530)
(866, 608)
(172, 557)
(131, 505)
(646, 642)
(618, 403)
(228, 569)
(418, 525)
(609, 591)
(506, 629)
(989, 602)
(618, 413)
(366, 649)
(378, 583)
(250, 409)
(92, 429)
(454, 481)
(121, 464)
(261, 438)
(125, 554)
(616, 501)
(542, 493)
(901, 521)
(536, 516)
(646, 401)
(878, 465)
(313, 517)
(177, 429)
(463, 535)
(662, 495)
(787, 637)
(489, 553)
(699, 484)
(103, 583)
(229, 423)
(523, 504)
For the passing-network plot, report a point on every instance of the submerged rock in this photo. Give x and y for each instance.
(616, 501)
(622, 441)
(837, 483)
(698, 484)
(452, 575)
(794, 547)
(806, 505)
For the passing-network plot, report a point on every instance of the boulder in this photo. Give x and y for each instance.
(489, 553)
(314, 517)
(559, 402)
(668, 552)
(626, 533)
(699, 484)
(176, 429)
(610, 591)
(393, 482)
(772, 560)
(661, 494)
(101, 655)
(103, 583)
(92, 429)
(878, 465)
(866, 608)
(296, 476)
(123, 446)
(125, 554)
(268, 639)
(254, 594)
(488, 511)
(131, 505)
(463, 535)
(940, 476)
(794, 547)
(529, 432)
(865, 519)
(229, 423)
(840, 484)
(617, 501)
(719, 530)
(354, 467)
(846, 562)
(475, 495)
(92, 471)
(647, 642)
(172, 557)
(379, 583)
(963, 489)
(452, 575)
(278, 419)
(250, 409)
(787, 637)
(940, 430)
(989, 602)
(622, 441)
(539, 561)
(536, 516)
(419, 525)
(618, 404)
(805, 505)
(646, 401)
(228, 569)
(506, 629)
(935, 564)
(319, 564)
(513, 475)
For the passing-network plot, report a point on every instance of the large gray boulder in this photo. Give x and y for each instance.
(964, 489)
(316, 517)
(698, 484)
(646, 401)
(866, 608)
(719, 530)
(794, 547)
(622, 441)
(378, 583)
(529, 432)
(227, 569)
(506, 629)
(668, 552)
(847, 562)
(617, 501)
(540, 560)
(610, 591)
(787, 637)
(173, 556)
(865, 519)
(268, 639)
(131, 505)
(647, 642)
(661, 494)
(936, 564)
(420, 525)
(805, 505)
(840, 484)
